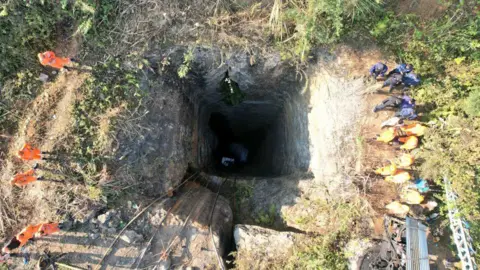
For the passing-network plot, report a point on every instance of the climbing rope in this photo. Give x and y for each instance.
(461, 236)
(219, 258)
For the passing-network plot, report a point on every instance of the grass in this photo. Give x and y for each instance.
(335, 223)
(267, 218)
(109, 90)
(184, 68)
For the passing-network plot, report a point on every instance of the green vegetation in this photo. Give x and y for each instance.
(299, 26)
(184, 68)
(27, 28)
(232, 94)
(25, 31)
(110, 86)
(321, 253)
(327, 251)
(267, 218)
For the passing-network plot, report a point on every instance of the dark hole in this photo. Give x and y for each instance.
(241, 147)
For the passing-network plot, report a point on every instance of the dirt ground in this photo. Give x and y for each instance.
(424, 9)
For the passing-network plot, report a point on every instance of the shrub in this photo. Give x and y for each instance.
(321, 253)
(472, 104)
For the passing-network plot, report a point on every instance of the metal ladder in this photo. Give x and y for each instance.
(461, 236)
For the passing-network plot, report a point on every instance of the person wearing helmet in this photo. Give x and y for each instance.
(29, 233)
(21, 238)
(379, 69)
(23, 179)
(405, 160)
(387, 170)
(406, 113)
(399, 177)
(414, 129)
(397, 208)
(49, 58)
(29, 152)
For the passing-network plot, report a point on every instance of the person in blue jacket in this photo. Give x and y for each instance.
(379, 69)
(402, 69)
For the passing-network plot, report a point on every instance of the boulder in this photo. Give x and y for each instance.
(257, 240)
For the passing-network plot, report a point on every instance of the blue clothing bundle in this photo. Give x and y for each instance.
(406, 113)
(407, 103)
(411, 79)
(402, 68)
(421, 185)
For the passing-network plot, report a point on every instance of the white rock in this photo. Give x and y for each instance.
(131, 236)
(268, 242)
(164, 264)
(102, 218)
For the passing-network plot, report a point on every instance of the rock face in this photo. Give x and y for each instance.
(184, 236)
(258, 240)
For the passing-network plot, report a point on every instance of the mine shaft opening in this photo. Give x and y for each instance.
(255, 114)
(264, 134)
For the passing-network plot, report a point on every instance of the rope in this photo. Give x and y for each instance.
(99, 264)
(219, 259)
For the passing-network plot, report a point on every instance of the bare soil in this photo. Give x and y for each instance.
(424, 9)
